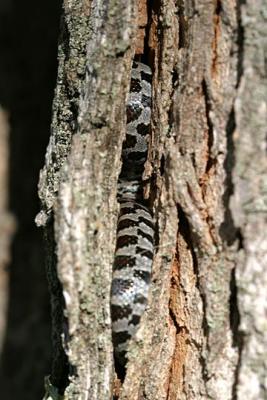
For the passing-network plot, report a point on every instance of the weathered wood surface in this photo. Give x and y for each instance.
(191, 339)
(249, 202)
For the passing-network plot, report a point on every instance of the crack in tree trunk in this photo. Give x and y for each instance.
(191, 337)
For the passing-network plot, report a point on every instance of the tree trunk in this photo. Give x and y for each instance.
(202, 336)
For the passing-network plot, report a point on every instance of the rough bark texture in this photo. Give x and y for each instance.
(195, 340)
(91, 90)
(249, 203)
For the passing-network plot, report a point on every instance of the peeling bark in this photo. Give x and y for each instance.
(194, 341)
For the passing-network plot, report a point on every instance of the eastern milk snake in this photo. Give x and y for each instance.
(135, 230)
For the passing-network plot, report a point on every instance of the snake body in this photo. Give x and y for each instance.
(135, 230)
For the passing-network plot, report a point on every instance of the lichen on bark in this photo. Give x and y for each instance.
(190, 342)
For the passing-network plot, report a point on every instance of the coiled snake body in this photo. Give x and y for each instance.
(135, 231)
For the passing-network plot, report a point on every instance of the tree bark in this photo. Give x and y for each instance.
(202, 325)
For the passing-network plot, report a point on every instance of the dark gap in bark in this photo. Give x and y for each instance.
(175, 79)
(60, 364)
(204, 372)
(72, 95)
(227, 230)
(156, 236)
(149, 53)
(170, 121)
(175, 83)
(119, 53)
(99, 124)
(73, 106)
(238, 338)
(120, 371)
(182, 25)
(229, 234)
(218, 9)
(210, 161)
(174, 285)
(162, 165)
(240, 239)
(240, 41)
(154, 189)
(234, 312)
(74, 122)
(115, 397)
(216, 22)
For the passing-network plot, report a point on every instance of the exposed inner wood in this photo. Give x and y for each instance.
(142, 23)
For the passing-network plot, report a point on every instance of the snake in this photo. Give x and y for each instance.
(135, 229)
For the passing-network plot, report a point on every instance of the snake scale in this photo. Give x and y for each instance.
(135, 230)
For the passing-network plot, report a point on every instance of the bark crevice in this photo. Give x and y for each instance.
(189, 342)
(238, 339)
